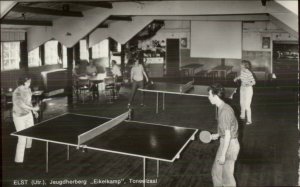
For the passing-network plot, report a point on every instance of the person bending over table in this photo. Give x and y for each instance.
(117, 76)
(22, 114)
(91, 69)
(246, 90)
(223, 167)
(137, 79)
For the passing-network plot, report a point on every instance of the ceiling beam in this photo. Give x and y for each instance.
(26, 22)
(46, 11)
(103, 26)
(120, 18)
(95, 4)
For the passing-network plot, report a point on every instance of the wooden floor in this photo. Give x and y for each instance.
(268, 156)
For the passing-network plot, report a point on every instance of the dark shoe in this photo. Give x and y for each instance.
(19, 165)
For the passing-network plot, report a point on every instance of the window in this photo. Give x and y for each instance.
(34, 58)
(51, 52)
(84, 52)
(119, 47)
(100, 50)
(10, 55)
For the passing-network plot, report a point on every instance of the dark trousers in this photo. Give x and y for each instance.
(135, 86)
(94, 90)
(118, 84)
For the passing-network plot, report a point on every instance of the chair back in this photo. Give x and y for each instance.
(109, 80)
(82, 81)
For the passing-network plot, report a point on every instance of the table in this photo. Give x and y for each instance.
(172, 88)
(133, 138)
(93, 82)
(191, 68)
(222, 70)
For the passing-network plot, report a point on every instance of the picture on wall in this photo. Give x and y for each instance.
(266, 41)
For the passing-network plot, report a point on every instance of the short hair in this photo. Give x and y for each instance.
(23, 79)
(217, 89)
(247, 64)
(114, 62)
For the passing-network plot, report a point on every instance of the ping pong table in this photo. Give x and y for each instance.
(118, 135)
(188, 89)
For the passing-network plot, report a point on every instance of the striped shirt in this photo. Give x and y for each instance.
(247, 78)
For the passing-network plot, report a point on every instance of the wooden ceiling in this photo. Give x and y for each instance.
(43, 12)
(27, 14)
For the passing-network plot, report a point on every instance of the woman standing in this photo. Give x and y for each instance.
(137, 79)
(22, 114)
(246, 90)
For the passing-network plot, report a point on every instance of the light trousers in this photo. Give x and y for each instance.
(223, 175)
(246, 93)
(21, 123)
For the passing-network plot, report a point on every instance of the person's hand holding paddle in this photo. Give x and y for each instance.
(36, 114)
(214, 136)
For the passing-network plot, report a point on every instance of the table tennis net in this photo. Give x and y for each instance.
(82, 138)
(187, 87)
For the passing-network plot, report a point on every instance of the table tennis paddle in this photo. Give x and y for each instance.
(149, 84)
(205, 136)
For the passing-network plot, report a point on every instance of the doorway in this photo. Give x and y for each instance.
(172, 57)
(286, 63)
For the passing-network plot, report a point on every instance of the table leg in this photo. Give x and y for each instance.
(68, 152)
(163, 101)
(83, 96)
(216, 113)
(157, 103)
(157, 168)
(47, 156)
(144, 171)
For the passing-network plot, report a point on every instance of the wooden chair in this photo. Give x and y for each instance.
(202, 74)
(212, 75)
(83, 88)
(232, 75)
(109, 91)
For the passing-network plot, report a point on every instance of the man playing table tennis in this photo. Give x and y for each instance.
(137, 79)
(22, 114)
(223, 167)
